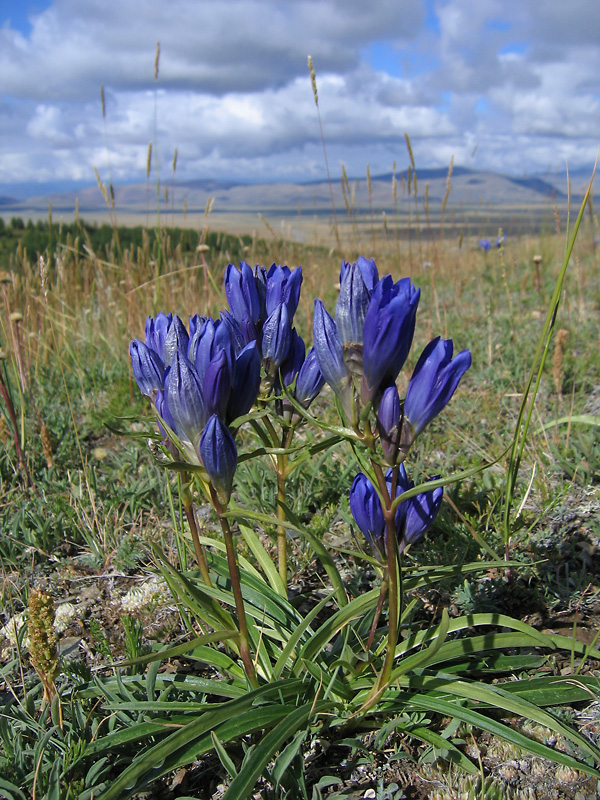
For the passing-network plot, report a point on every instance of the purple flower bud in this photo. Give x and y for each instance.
(148, 369)
(368, 268)
(206, 343)
(416, 514)
(388, 332)
(388, 424)
(365, 506)
(246, 382)
(433, 383)
(329, 349)
(293, 361)
(176, 340)
(283, 286)
(216, 385)
(412, 518)
(419, 514)
(276, 338)
(156, 332)
(183, 396)
(219, 456)
(242, 293)
(236, 336)
(195, 322)
(351, 308)
(310, 379)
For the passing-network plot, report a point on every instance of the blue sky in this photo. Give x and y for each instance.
(503, 85)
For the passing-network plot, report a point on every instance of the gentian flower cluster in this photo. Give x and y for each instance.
(263, 303)
(199, 382)
(362, 351)
(364, 348)
(411, 519)
(202, 380)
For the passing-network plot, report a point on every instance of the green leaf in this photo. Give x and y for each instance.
(297, 634)
(223, 755)
(285, 758)
(242, 785)
(183, 742)
(432, 702)
(427, 656)
(265, 561)
(180, 649)
(453, 753)
(10, 791)
(356, 608)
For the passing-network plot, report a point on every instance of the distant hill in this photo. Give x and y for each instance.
(468, 189)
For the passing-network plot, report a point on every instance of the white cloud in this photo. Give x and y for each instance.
(515, 81)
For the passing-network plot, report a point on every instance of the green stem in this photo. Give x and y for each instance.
(281, 532)
(239, 600)
(281, 462)
(188, 507)
(393, 577)
(391, 549)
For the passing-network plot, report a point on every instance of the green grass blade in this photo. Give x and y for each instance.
(241, 786)
(266, 563)
(297, 634)
(499, 729)
(537, 369)
(438, 742)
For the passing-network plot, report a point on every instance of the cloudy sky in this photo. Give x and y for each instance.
(506, 85)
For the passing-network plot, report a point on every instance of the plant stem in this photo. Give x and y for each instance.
(11, 411)
(391, 549)
(281, 532)
(188, 507)
(382, 594)
(239, 600)
(280, 463)
(392, 559)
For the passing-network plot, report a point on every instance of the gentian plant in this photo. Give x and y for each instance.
(348, 657)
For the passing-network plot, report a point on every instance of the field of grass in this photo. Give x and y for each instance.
(90, 517)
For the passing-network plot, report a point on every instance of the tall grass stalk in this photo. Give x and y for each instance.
(535, 377)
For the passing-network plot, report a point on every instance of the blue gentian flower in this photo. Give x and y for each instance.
(388, 333)
(216, 385)
(283, 286)
(293, 361)
(148, 368)
(501, 240)
(310, 379)
(411, 519)
(219, 456)
(246, 382)
(156, 332)
(185, 402)
(276, 338)
(432, 384)
(329, 349)
(365, 506)
(368, 269)
(416, 514)
(352, 305)
(485, 245)
(242, 294)
(388, 424)
(176, 340)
